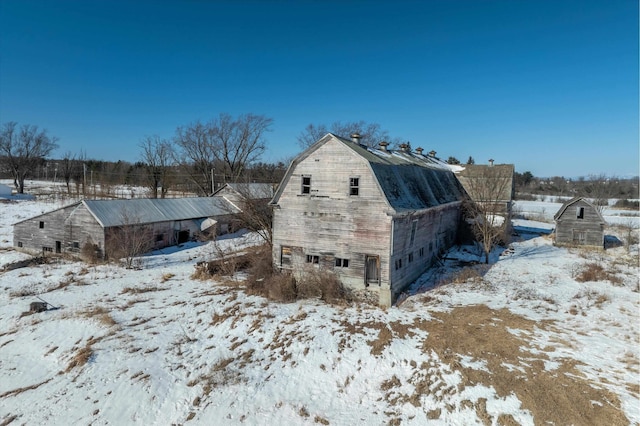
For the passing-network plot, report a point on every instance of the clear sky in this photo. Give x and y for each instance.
(551, 86)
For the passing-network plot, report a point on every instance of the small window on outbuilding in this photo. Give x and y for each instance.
(19, 243)
(580, 213)
(410, 257)
(159, 237)
(306, 185)
(76, 245)
(41, 225)
(312, 258)
(354, 186)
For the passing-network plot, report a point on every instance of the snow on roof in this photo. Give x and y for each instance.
(149, 210)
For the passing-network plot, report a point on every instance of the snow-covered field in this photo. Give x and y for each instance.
(522, 342)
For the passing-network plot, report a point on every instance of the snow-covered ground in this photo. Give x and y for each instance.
(519, 342)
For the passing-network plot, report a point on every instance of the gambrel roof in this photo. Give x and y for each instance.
(573, 201)
(408, 180)
(121, 212)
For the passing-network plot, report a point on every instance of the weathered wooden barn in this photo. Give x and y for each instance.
(162, 222)
(489, 184)
(377, 218)
(578, 222)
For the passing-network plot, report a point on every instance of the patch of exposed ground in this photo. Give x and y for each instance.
(556, 396)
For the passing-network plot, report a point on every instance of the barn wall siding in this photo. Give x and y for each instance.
(435, 232)
(572, 230)
(43, 233)
(329, 222)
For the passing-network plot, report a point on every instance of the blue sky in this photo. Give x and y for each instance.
(551, 86)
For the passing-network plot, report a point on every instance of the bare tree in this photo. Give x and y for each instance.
(24, 149)
(67, 165)
(488, 207)
(597, 189)
(158, 156)
(224, 144)
(197, 155)
(255, 213)
(239, 142)
(129, 240)
(371, 134)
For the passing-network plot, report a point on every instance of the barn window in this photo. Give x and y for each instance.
(159, 237)
(285, 255)
(580, 213)
(41, 225)
(19, 243)
(76, 245)
(421, 251)
(354, 186)
(410, 257)
(342, 263)
(398, 263)
(312, 258)
(306, 184)
(414, 225)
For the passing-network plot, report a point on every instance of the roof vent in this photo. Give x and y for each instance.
(432, 154)
(419, 150)
(404, 147)
(384, 145)
(491, 162)
(355, 138)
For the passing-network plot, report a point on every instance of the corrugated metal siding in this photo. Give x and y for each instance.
(139, 211)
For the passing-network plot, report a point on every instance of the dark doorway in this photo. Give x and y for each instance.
(372, 270)
(58, 247)
(183, 236)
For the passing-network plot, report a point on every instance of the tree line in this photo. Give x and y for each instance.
(202, 155)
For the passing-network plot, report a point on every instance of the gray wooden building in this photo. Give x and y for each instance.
(377, 218)
(489, 183)
(165, 222)
(578, 222)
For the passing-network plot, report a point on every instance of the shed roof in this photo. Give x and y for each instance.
(150, 210)
(254, 191)
(409, 181)
(573, 201)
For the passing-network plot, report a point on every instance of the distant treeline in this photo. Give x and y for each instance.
(597, 187)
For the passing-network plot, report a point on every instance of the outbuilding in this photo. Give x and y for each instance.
(579, 222)
(105, 224)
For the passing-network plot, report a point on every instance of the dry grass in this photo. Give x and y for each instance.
(139, 290)
(166, 277)
(561, 396)
(81, 357)
(24, 389)
(100, 314)
(464, 275)
(594, 271)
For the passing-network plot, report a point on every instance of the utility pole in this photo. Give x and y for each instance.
(213, 185)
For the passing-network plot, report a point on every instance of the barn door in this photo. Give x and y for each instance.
(372, 270)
